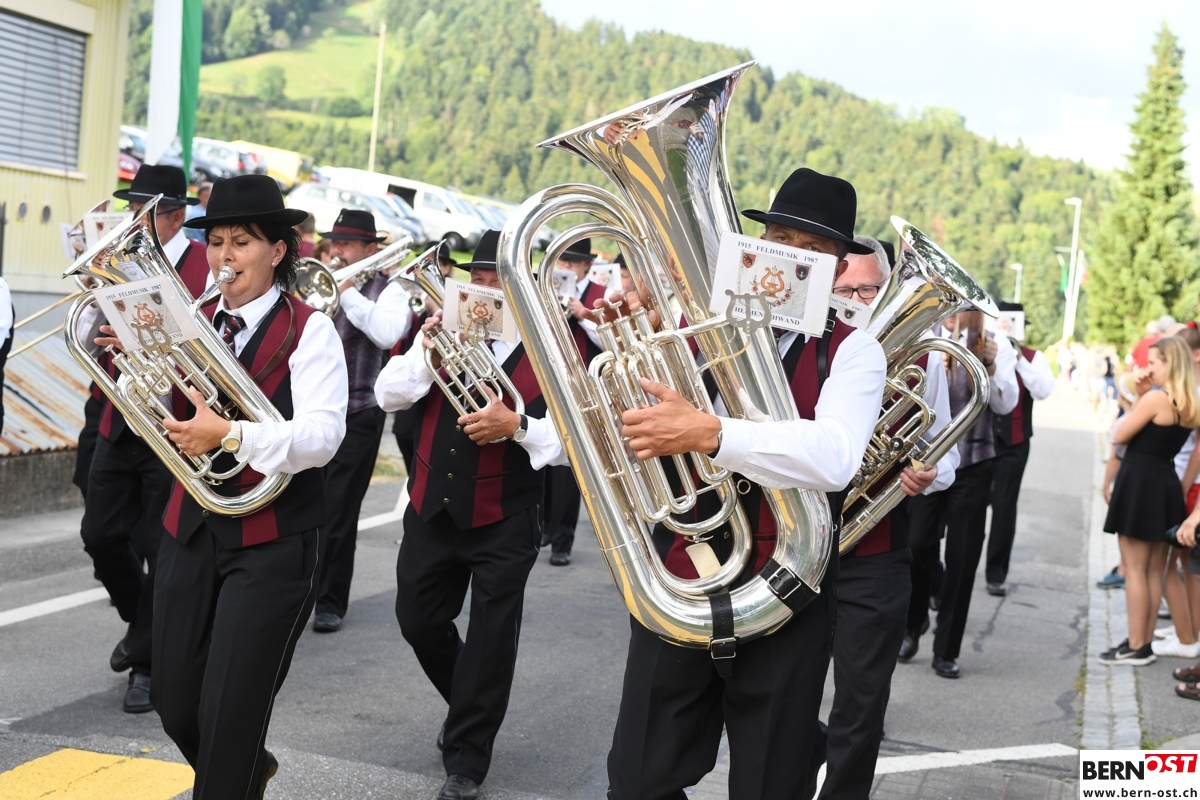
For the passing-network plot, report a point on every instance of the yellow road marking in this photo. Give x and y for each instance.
(81, 775)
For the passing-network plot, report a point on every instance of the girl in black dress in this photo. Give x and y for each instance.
(1147, 497)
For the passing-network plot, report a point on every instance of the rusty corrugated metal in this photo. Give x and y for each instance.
(44, 393)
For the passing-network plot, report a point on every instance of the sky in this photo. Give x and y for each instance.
(1062, 77)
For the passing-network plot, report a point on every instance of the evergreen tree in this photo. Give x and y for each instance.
(1146, 262)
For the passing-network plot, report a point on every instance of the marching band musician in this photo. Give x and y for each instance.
(676, 699)
(960, 510)
(873, 580)
(127, 486)
(562, 491)
(370, 322)
(233, 593)
(473, 519)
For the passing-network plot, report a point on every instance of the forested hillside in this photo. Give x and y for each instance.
(470, 88)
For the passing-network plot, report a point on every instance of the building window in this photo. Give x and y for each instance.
(41, 92)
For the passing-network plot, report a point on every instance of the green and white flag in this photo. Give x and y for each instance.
(174, 78)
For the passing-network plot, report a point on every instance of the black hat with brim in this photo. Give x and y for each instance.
(815, 203)
(354, 225)
(246, 199)
(152, 180)
(1004, 305)
(580, 250)
(485, 252)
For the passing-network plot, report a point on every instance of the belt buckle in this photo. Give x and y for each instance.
(784, 583)
(723, 648)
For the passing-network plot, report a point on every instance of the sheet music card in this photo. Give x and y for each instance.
(856, 315)
(793, 283)
(1009, 323)
(565, 283)
(148, 314)
(481, 308)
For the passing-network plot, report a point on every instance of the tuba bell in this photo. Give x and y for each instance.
(316, 285)
(926, 287)
(131, 251)
(667, 157)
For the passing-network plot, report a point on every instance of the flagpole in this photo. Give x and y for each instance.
(378, 87)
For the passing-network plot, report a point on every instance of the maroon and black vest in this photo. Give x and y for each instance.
(476, 485)
(301, 506)
(587, 348)
(193, 271)
(364, 359)
(892, 531)
(1016, 426)
(802, 370)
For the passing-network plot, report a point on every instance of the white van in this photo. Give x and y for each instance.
(444, 213)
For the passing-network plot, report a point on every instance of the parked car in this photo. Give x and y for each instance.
(127, 167)
(287, 167)
(444, 212)
(504, 209)
(132, 142)
(326, 202)
(228, 159)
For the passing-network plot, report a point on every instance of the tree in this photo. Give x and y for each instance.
(272, 81)
(249, 29)
(1146, 262)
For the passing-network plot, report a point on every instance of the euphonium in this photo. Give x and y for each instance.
(466, 366)
(316, 285)
(667, 157)
(130, 252)
(926, 287)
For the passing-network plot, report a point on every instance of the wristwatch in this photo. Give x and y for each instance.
(720, 438)
(233, 439)
(522, 428)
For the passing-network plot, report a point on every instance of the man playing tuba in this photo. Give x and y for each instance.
(676, 700)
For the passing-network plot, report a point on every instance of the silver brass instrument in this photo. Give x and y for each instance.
(422, 278)
(316, 285)
(926, 287)
(466, 366)
(667, 157)
(130, 252)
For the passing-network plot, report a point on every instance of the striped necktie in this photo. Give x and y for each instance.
(230, 325)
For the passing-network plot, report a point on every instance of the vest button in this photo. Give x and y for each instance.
(445, 501)
(450, 476)
(453, 452)
(204, 513)
(458, 428)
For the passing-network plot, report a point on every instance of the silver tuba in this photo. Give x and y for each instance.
(466, 366)
(926, 287)
(131, 252)
(667, 157)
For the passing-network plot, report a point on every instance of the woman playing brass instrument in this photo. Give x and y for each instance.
(233, 593)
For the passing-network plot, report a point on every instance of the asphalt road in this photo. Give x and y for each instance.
(357, 718)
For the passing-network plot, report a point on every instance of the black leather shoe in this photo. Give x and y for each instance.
(327, 622)
(119, 660)
(441, 740)
(545, 540)
(908, 648)
(946, 667)
(272, 768)
(458, 787)
(997, 589)
(560, 559)
(137, 696)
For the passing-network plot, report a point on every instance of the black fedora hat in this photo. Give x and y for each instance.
(816, 203)
(355, 225)
(245, 199)
(485, 252)
(1004, 305)
(443, 254)
(578, 251)
(152, 180)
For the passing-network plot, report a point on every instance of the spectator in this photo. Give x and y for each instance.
(198, 210)
(308, 235)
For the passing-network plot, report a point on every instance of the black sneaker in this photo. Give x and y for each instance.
(1123, 654)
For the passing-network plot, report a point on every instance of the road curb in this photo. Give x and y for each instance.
(1111, 716)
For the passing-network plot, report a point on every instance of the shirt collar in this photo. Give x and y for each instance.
(175, 248)
(253, 312)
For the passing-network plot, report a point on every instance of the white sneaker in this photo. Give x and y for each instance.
(1165, 632)
(1176, 649)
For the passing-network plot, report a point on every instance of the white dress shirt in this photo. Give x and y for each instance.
(822, 453)
(319, 395)
(406, 379)
(1004, 393)
(937, 397)
(588, 325)
(6, 311)
(384, 321)
(175, 248)
(1035, 374)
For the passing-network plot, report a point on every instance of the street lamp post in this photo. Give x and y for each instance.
(1017, 292)
(1072, 279)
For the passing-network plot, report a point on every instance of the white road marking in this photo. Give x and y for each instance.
(51, 606)
(395, 515)
(965, 758)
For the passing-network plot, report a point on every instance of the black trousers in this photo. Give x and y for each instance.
(562, 508)
(404, 428)
(226, 624)
(5, 347)
(872, 598)
(128, 488)
(436, 564)
(347, 478)
(674, 705)
(926, 529)
(92, 409)
(962, 510)
(1006, 486)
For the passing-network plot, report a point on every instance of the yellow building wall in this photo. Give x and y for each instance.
(33, 253)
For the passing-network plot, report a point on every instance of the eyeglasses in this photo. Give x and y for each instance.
(866, 293)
